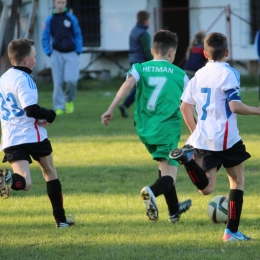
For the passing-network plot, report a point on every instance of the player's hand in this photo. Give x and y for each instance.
(43, 123)
(106, 117)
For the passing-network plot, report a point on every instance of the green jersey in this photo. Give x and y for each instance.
(159, 87)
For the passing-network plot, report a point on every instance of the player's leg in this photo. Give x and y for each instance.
(21, 178)
(54, 191)
(235, 203)
(201, 166)
(233, 160)
(211, 176)
(165, 183)
(71, 76)
(162, 185)
(19, 160)
(42, 153)
(57, 67)
(175, 208)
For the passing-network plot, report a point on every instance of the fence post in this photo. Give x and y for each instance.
(229, 35)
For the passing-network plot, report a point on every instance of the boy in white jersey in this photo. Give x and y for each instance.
(158, 121)
(215, 92)
(23, 132)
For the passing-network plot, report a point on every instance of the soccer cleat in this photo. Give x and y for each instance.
(183, 207)
(182, 155)
(6, 182)
(70, 220)
(234, 236)
(123, 111)
(59, 112)
(150, 201)
(69, 107)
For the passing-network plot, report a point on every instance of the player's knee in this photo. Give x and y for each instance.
(208, 190)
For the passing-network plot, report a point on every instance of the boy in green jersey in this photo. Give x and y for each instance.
(159, 86)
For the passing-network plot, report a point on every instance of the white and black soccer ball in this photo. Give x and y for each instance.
(218, 209)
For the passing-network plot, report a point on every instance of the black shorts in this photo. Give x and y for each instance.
(228, 158)
(24, 151)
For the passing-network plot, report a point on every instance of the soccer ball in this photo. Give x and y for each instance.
(218, 209)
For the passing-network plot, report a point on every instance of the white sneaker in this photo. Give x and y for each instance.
(70, 220)
(151, 206)
(5, 183)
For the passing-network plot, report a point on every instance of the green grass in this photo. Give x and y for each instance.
(102, 170)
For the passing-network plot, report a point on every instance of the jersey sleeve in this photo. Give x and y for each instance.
(186, 81)
(232, 79)
(133, 71)
(187, 95)
(27, 91)
(233, 95)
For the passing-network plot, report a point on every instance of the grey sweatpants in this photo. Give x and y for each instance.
(65, 69)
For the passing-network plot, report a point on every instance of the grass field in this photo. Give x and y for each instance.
(102, 170)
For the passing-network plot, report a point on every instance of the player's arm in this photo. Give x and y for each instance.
(188, 115)
(121, 94)
(243, 109)
(237, 106)
(38, 112)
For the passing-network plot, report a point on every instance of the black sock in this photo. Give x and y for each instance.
(197, 175)
(235, 202)
(54, 192)
(19, 182)
(162, 185)
(171, 199)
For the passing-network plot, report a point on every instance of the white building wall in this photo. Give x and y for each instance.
(202, 18)
(119, 16)
(44, 10)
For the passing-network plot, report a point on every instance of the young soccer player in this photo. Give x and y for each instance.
(23, 132)
(215, 91)
(159, 85)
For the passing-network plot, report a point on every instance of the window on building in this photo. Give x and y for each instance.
(88, 14)
(255, 16)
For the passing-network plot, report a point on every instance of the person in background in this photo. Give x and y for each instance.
(159, 86)
(195, 58)
(24, 135)
(62, 41)
(139, 51)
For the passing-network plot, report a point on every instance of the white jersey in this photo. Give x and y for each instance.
(216, 129)
(17, 91)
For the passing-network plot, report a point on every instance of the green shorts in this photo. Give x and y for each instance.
(162, 152)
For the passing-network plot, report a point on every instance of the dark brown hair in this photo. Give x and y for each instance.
(163, 40)
(19, 49)
(216, 45)
(142, 16)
